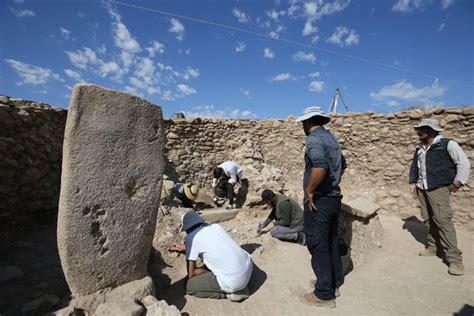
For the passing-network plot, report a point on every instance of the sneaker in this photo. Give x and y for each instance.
(428, 252)
(239, 296)
(312, 283)
(312, 299)
(301, 239)
(456, 268)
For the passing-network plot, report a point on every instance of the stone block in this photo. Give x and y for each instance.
(362, 207)
(110, 188)
(135, 290)
(123, 308)
(218, 215)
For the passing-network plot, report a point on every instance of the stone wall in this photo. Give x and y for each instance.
(378, 148)
(31, 137)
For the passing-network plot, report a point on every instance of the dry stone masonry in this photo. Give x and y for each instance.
(110, 188)
(31, 138)
(378, 147)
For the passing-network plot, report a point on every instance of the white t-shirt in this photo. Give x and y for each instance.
(231, 264)
(232, 170)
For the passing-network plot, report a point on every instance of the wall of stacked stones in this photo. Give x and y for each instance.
(31, 138)
(378, 148)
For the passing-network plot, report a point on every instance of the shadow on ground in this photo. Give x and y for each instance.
(36, 254)
(466, 310)
(416, 228)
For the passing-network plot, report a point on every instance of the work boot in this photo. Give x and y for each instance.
(428, 252)
(312, 299)
(312, 283)
(456, 268)
(239, 296)
(301, 239)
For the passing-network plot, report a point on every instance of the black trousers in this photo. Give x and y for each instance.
(320, 228)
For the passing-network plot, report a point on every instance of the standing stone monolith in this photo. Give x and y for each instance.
(110, 188)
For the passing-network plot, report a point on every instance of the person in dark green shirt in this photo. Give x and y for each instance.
(288, 217)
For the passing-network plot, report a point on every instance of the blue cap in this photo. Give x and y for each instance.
(190, 219)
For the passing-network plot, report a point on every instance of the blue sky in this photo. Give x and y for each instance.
(248, 59)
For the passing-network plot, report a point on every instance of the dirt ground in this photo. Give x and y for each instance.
(395, 280)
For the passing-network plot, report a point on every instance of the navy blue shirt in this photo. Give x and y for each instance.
(324, 151)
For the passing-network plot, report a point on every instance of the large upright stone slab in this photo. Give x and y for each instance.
(110, 188)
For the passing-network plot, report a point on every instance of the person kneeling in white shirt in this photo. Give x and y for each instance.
(227, 267)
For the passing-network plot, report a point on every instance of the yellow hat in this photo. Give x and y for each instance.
(191, 191)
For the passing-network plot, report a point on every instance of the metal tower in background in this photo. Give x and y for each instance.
(333, 106)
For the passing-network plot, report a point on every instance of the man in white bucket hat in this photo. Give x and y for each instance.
(324, 165)
(439, 167)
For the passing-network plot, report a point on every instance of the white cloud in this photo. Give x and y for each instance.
(343, 36)
(397, 62)
(167, 95)
(309, 28)
(316, 86)
(274, 14)
(268, 53)
(22, 13)
(246, 93)
(31, 74)
(189, 73)
(240, 15)
(82, 59)
(441, 27)
(408, 5)
(102, 49)
(315, 39)
(276, 33)
(185, 89)
(177, 28)
(124, 40)
(303, 56)
(156, 47)
(81, 15)
(239, 47)
(66, 34)
(314, 74)
(283, 77)
(392, 103)
(372, 11)
(19, 1)
(317, 9)
(111, 69)
(446, 3)
(406, 91)
(211, 111)
(73, 74)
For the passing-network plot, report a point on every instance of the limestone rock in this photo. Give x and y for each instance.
(110, 188)
(123, 308)
(160, 308)
(362, 207)
(135, 290)
(468, 111)
(218, 215)
(363, 236)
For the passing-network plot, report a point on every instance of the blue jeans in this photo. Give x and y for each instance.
(320, 228)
